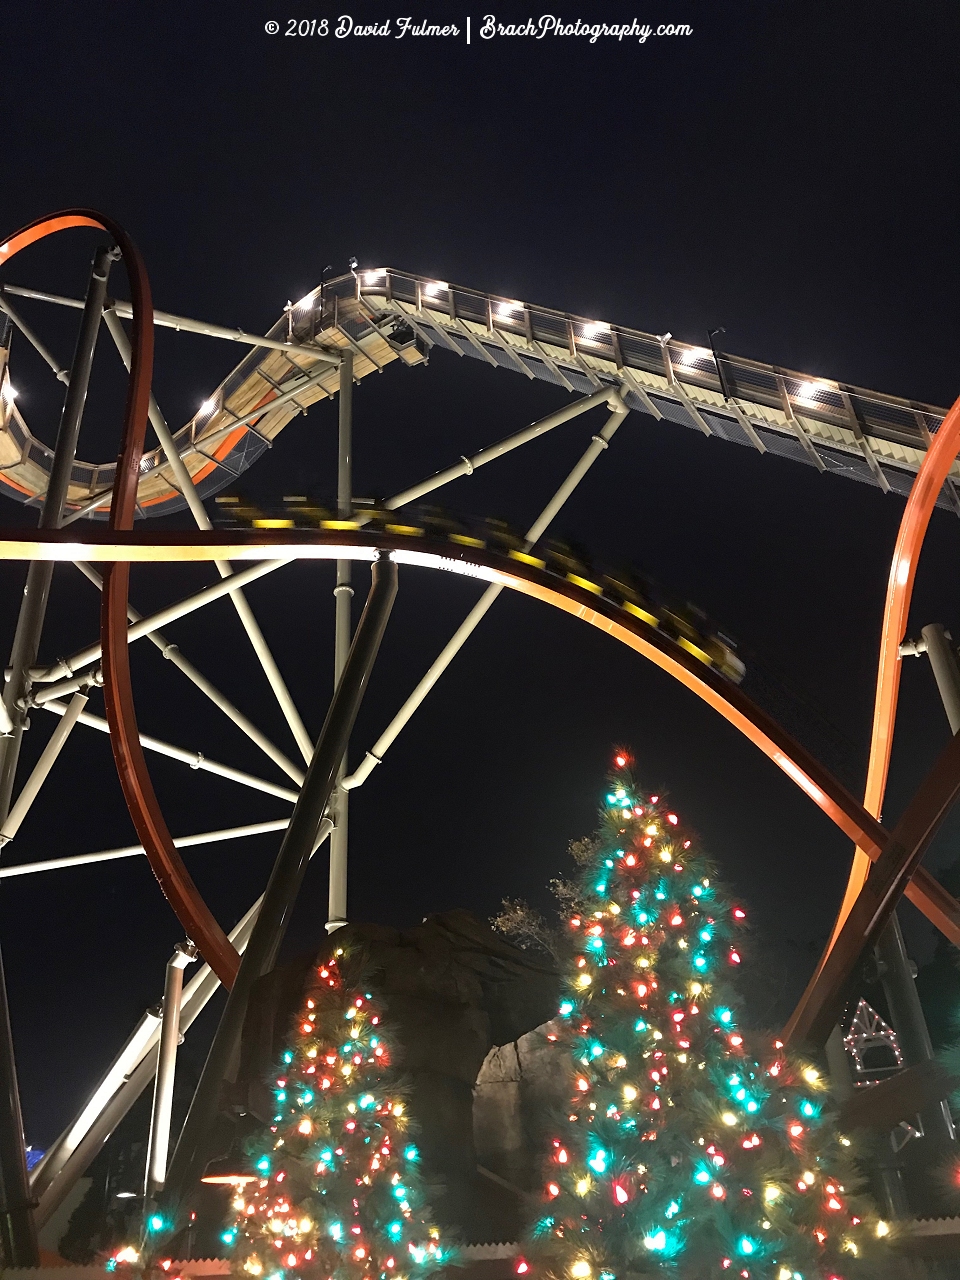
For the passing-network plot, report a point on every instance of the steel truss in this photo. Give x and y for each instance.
(342, 332)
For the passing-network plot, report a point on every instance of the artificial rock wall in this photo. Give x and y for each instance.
(454, 991)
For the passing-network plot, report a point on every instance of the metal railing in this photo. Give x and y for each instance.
(384, 315)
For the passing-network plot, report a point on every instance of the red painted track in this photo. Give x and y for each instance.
(168, 867)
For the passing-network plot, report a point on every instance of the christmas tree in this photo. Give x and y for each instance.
(688, 1149)
(338, 1195)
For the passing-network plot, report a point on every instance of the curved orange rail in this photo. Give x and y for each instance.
(903, 570)
(857, 821)
(728, 700)
(168, 867)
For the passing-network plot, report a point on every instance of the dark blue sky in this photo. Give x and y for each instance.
(788, 171)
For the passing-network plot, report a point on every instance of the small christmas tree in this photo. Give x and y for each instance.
(339, 1194)
(686, 1150)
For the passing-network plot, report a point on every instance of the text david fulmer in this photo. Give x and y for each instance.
(404, 27)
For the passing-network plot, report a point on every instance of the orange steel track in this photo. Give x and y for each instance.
(726, 698)
(901, 872)
(903, 569)
(869, 900)
(168, 867)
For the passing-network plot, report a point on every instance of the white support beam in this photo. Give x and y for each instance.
(195, 759)
(182, 323)
(224, 568)
(172, 654)
(479, 611)
(9, 872)
(68, 1158)
(41, 770)
(466, 466)
(84, 657)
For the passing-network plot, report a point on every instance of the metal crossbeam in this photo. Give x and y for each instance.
(189, 604)
(479, 611)
(16, 870)
(466, 466)
(182, 323)
(224, 568)
(172, 654)
(195, 759)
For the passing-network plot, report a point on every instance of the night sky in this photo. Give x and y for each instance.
(789, 171)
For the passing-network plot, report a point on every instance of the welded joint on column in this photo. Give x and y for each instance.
(78, 684)
(184, 953)
(468, 464)
(359, 777)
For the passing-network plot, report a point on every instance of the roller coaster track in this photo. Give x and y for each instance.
(385, 315)
(382, 316)
(687, 662)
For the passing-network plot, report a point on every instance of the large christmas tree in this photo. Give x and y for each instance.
(339, 1194)
(688, 1148)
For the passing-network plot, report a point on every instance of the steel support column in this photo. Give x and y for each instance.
(906, 1014)
(893, 963)
(823, 1000)
(39, 577)
(18, 1231)
(467, 466)
(181, 323)
(171, 652)
(343, 593)
(158, 1144)
(127, 1077)
(285, 879)
(17, 1228)
(946, 672)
